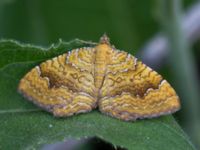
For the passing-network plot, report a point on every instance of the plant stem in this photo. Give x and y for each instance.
(182, 65)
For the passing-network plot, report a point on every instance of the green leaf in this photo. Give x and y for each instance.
(25, 126)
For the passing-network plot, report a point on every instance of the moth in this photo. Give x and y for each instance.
(100, 77)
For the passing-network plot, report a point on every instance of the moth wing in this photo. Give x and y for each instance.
(63, 85)
(136, 91)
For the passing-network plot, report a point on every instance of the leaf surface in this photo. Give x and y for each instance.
(25, 126)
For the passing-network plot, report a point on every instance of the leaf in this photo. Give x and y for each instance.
(25, 126)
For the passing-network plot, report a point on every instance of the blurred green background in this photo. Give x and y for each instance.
(42, 22)
(129, 24)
